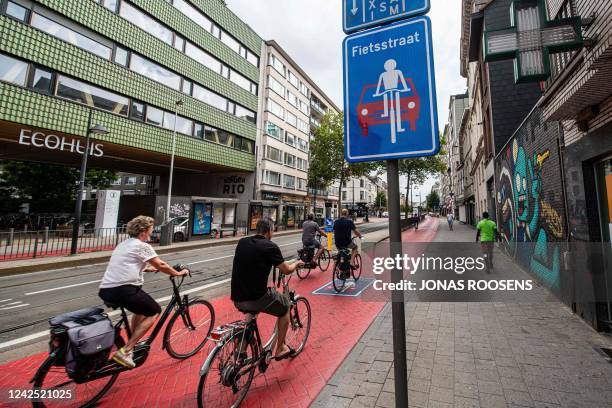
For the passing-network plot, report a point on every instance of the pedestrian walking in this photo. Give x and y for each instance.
(450, 218)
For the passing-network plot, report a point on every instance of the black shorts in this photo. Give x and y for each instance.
(313, 243)
(132, 298)
(273, 303)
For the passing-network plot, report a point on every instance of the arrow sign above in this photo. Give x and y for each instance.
(362, 14)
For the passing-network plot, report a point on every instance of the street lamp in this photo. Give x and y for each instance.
(96, 129)
(177, 104)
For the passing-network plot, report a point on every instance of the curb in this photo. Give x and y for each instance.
(68, 261)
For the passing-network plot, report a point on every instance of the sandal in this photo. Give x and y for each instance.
(289, 354)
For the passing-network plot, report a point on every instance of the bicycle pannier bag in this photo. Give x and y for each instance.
(90, 338)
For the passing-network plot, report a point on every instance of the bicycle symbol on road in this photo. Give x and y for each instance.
(400, 102)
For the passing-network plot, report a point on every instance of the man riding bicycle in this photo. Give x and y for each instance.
(123, 279)
(343, 227)
(486, 231)
(309, 231)
(254, 258)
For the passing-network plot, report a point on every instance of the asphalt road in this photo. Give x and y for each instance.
(28, 300)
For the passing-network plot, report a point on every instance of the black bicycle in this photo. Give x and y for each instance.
(229, 370)
(343, 269)
(185, 335)
(306, 254)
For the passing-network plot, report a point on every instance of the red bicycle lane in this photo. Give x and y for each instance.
(337, 325)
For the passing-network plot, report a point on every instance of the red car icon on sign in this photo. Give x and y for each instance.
(370, 108)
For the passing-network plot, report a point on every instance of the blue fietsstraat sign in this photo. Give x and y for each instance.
(361, 14)
(390, 93)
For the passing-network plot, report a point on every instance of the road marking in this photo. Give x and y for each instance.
(231, 256)
(14, 307)
(45, 333)
(62, 287)
(5, 300)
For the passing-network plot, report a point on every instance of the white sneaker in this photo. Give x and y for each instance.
(124, 358)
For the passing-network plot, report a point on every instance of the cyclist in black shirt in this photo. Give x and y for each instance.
(343, 227)
(254, 258)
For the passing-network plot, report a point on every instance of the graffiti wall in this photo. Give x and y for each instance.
(529, 195)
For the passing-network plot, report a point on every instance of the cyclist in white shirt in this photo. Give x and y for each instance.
(122, 282)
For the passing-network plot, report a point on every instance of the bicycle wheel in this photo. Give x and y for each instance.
(187, 332)
(225, 381)
(51, 378)
(299, 329)
(324, 260)
(338, 279)
(302, 273)
(356, 272)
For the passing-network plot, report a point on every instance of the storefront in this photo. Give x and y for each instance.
(293, 211)
(212, 217)
(268, 206)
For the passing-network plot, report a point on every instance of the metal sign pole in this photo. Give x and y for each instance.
(397, 305)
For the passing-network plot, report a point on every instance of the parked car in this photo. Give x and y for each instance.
(370, 108)
(180, 229)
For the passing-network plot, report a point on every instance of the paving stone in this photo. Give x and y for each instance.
(419, 384)
(346, 391)
(363, 402)
(461, 402)
(381, 366)
(417, 399)
(386, 400)
(513, 384)
(338, 402)
(441, 394)
(376, 376)
(492, 401)
(518, 398)
(466, 390)
(490, 387)
(370, 389)
(444, 381)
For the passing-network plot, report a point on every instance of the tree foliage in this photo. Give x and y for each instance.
(433, 200)
(46, 187)
(327, 161)
(381, 200)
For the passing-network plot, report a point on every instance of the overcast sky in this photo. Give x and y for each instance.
(311, 32)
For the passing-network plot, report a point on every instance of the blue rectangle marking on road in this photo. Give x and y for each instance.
(389, 93)
(352, 288)
(362, 14)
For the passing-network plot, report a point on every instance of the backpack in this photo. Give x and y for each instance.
(90, 335)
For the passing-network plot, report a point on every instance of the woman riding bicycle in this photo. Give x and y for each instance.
(254, 258)
(122, 282)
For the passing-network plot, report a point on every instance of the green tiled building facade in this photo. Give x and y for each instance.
(125, 64)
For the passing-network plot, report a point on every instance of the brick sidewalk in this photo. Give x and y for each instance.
(485, 355)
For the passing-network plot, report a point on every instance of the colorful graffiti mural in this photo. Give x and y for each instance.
(529, 225)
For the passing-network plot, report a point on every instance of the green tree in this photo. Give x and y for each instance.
(418, 169)
(433, 200)
(327, 161)
(47, 187)
(381, 200)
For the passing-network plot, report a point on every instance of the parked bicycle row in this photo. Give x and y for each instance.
(87, 351)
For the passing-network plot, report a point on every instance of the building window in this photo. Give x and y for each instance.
(302, 164)
(209, 97)
(42, 81)
(293, 79)
(203, 58)
(155, 72)
(273, 154)
(289, 182)
(183, 125)
(245, 114)
(155, 116)
(276, 86)
(344, 196)
(110, 4)
(304, 108)
(301, 184)
(361, 195)
(137, 111)
(130, 181)
(302, 126)
(303, 89)
(292, 99)
(179, 43)
(361, 183)
(186, 86)
(302, 145)
(274, 131)
(198, 130)
(272, 178)
(193, 14)
(225, 139)
(144, 22)
(64, 33)
(290, 139)
(121, 56)
(116, 182)
(16, 11)
(291, 119)
(248, 146)
(13, 70)
(275, 108)
(92, 96)
(289, 160)
(276, 64)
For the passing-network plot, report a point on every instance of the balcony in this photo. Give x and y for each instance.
(317, 108)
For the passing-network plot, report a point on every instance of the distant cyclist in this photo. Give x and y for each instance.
(254, 258)
(450, 218)
(122, 282)
(486, 232)
(343, 229)
(309, 231)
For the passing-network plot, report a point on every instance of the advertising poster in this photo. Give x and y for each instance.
(202, 218)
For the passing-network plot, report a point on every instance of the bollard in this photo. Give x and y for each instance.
(45, 235)
(35, 244)
(330, 238)
(11, 235)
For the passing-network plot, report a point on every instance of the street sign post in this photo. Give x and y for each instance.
(389, 93)
(361, 14)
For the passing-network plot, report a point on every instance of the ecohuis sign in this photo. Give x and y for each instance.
(54, 142)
